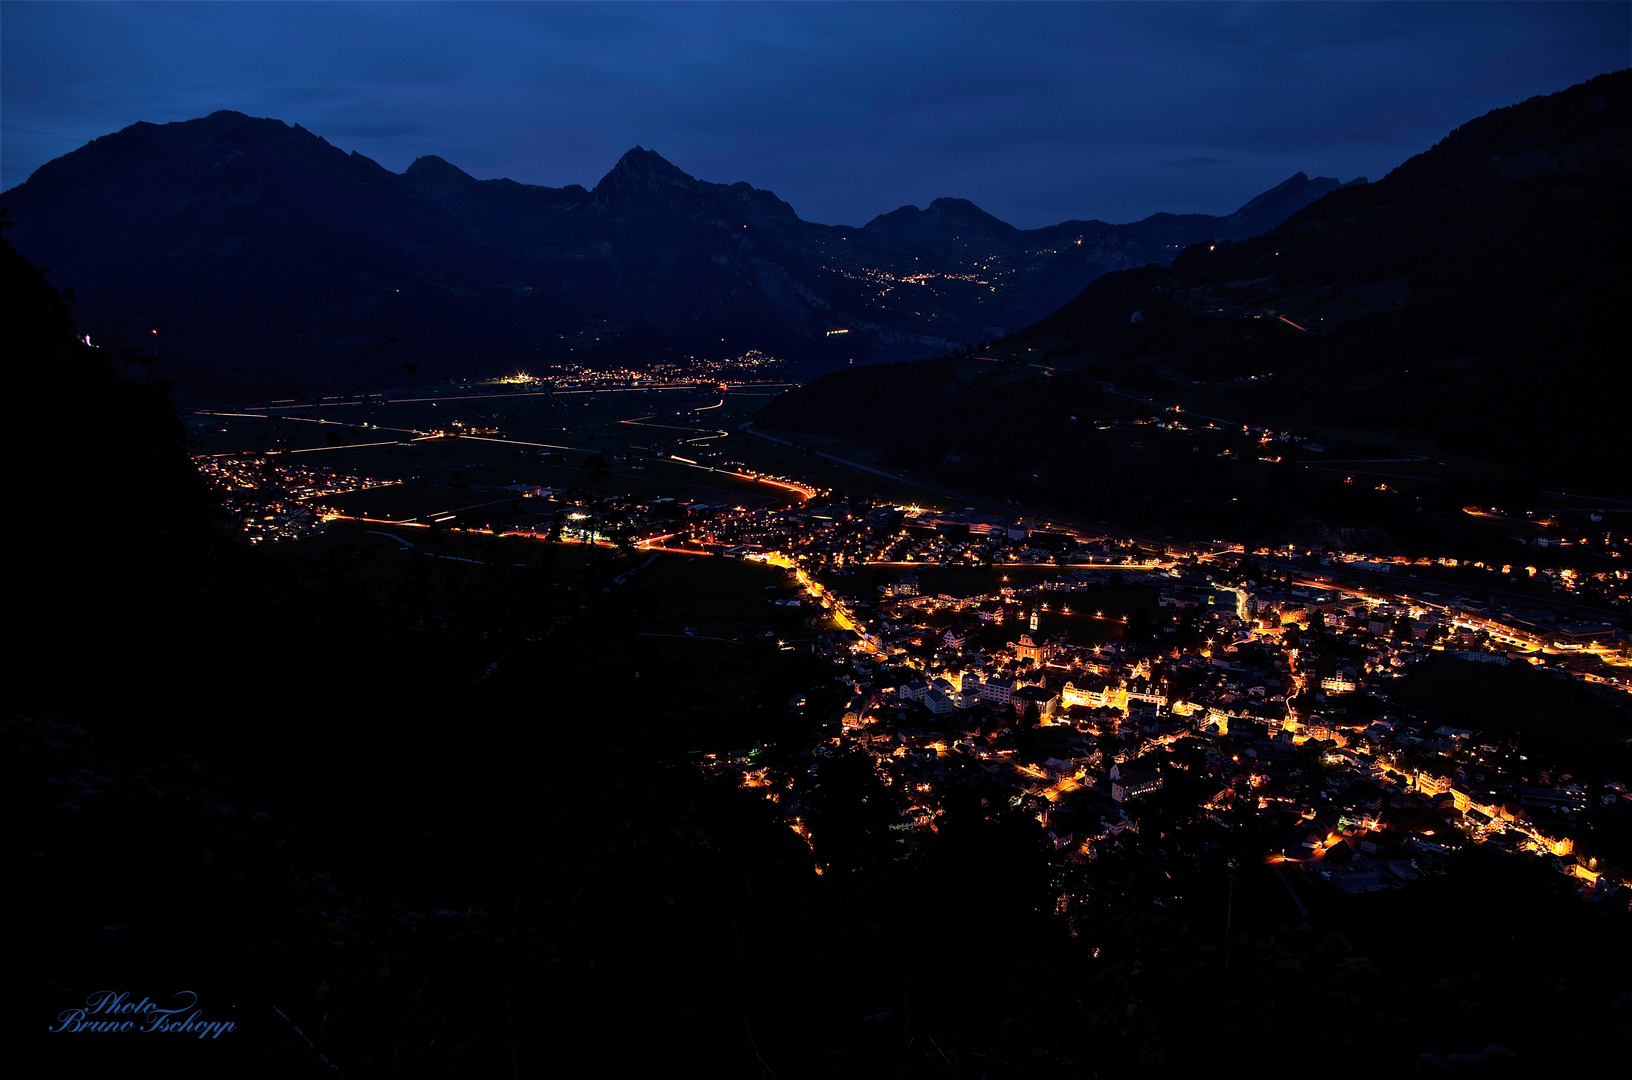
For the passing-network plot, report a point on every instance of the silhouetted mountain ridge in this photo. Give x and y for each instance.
(267, 258)
(944, 219)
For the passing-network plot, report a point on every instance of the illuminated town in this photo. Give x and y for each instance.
(1093, 677)
(1258, 687)
(821, 542)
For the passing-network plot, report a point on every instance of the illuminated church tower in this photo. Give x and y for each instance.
(1034, 620)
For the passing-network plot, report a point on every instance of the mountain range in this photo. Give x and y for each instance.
(1470, 306)
(265, 258)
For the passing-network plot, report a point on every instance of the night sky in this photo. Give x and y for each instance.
(1038, 112)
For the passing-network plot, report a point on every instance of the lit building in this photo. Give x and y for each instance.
(1130, 783)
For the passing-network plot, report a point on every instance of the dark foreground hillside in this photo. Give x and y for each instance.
(440, 820)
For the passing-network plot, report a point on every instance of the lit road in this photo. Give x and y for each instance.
(1077, 527)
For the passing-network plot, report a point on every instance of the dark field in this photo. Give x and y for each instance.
(955, 581)
(721, 692)
(721, 597)
(1486, 697)
(804, 460)
(541, 440)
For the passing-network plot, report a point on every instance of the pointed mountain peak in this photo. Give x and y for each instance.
(1263, 212)
(1286, 188)
(434, 176)
(645, 168)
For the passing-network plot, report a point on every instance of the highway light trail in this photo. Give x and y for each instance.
(342, 446)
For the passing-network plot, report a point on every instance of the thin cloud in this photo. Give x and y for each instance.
(1037, 112)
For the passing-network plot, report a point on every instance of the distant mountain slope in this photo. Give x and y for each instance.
(1473, 301)
(257, 250)
(1477, 292)
(1276, 205)
(266, 258)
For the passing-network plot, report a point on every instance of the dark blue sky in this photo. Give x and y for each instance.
(1038, 112)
